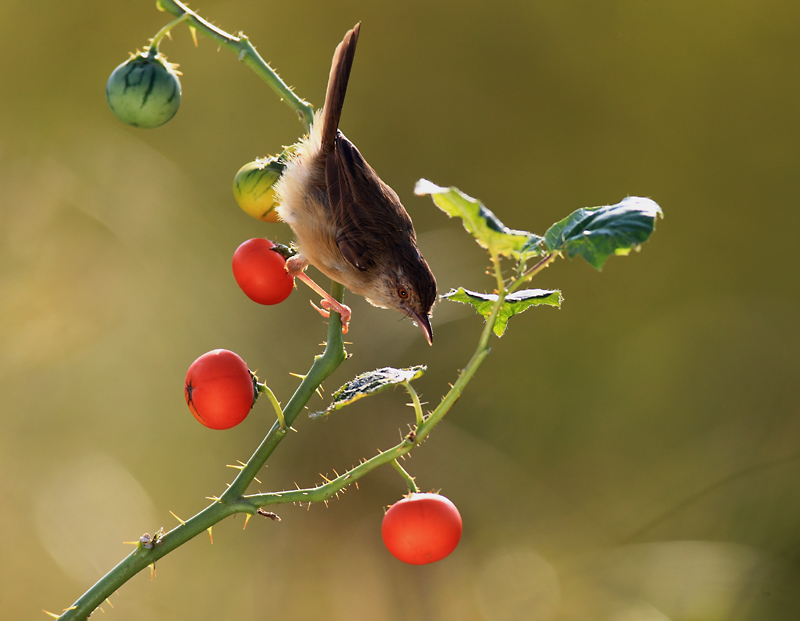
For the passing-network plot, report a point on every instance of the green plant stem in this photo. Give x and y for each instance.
(165, 31)
(412, 485)
(263, 388)
(228, 504)
(525, 277)
(415, 402)
(247, 54)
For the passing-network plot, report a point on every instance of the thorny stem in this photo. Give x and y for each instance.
(251, 503)
(227, 504)
(247, 54)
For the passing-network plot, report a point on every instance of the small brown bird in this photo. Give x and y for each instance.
(349, 224)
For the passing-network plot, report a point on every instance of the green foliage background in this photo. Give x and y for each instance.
(672, 370)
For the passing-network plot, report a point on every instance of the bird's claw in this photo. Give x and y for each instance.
(326, 309)
(321, 311)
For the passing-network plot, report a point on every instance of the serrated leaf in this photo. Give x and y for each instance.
(481, 223)
(370, 383)
(514, 304)
(595, 233)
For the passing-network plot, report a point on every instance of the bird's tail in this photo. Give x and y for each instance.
(337, 86)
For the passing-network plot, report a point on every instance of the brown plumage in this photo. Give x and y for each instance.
(349, 224)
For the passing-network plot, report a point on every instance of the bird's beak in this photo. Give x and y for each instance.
(425, 325)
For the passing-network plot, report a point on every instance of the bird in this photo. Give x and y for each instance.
(347, 222)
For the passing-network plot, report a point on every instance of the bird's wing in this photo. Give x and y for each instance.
(367, 212)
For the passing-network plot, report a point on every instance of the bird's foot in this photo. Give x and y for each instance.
(333, 305)
(328, 303)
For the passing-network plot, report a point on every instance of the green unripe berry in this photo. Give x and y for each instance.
(254, 187)
(144, 91)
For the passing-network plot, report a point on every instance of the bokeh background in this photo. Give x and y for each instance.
(633, 456)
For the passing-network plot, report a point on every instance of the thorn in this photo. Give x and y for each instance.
(210, 536)
(326, 503)
(327, 480)
(152, 571)
(239, 461)
(132, 543)
(177, 518)
(214, 498)
(256, 480)
(101, 609)
(109, 602)
(336, 473)
(302, 377)
(357, 485)
(309, 507)
(296, 485)
(193, 30)
(51, 614)
(233, 466)
(293, 429)
(246, 520)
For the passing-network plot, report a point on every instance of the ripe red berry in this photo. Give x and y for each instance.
(261, 272)
(421, 528)
(219, 389)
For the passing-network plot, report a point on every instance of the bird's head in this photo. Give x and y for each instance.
(408, 286)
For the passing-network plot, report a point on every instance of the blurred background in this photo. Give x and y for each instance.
(633, 456)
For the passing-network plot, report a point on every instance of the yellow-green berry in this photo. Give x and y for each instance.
(254, 188)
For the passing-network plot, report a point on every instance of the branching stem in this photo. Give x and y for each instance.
(228, 504)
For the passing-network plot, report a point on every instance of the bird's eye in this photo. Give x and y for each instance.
(402, 292)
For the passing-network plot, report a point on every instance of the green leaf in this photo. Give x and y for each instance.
(369, 383)
(481, 223)
(595, 233)
(515, 303)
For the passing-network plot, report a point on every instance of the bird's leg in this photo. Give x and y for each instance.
(295, 266)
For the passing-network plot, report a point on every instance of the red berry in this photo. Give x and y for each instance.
(219, 389)
(261, 272)
(421, 528)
